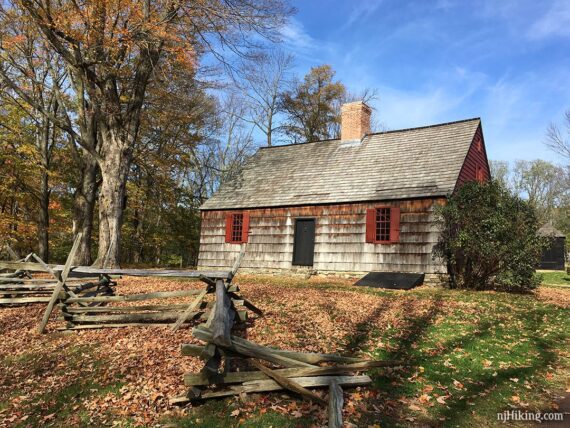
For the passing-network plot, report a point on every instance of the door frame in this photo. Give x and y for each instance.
(314, 219)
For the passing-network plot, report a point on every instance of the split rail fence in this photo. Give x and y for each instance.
(21, 288)
(92, 302)
(236, 366)
(232, 364)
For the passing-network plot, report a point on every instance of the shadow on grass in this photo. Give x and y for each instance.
(483, 389)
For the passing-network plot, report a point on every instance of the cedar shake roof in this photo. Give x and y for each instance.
(407, 163)
(549, 230)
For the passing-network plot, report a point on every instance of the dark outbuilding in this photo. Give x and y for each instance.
(554, 256)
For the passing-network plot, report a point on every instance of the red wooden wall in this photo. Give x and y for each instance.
(476, 165)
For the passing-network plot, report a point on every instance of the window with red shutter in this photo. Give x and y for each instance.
(383, 225)
(237, 225)
(245, 228)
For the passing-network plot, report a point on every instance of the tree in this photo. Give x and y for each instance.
(264, 82)
(489, 239)
(545, 185)
(28, 61)
(162, 219)
(18, 157)
(500, 172)
(557, 140)
(37, 80)
(312, 106)
(111, 51)
(223, 156)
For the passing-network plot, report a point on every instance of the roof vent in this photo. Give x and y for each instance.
(355, 120)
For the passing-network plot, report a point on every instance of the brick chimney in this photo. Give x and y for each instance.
(355, 120)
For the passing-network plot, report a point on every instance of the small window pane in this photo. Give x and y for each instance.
(382, 224)
(237, 227)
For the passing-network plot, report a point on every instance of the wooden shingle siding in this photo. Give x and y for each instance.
(339, 238)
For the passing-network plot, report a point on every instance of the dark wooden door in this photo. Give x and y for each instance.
(304, 246)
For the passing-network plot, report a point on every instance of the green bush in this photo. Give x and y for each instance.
(489, 239)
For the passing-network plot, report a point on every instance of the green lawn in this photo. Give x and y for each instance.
(555, 277)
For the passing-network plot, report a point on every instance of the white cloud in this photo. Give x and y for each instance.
(296, 37)
(444, 99)
(555, 22)
(361, 11)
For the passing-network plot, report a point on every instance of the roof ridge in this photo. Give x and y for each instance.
(435, 125)
(377, 133)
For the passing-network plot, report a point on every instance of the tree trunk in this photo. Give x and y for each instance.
(43, 218)
(43, 144)
(138, 237)
(84, 209)
(115, 162)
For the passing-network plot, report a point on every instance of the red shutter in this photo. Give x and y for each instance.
(395, 224)
(370, 225)
(229, 222)
(245, 227)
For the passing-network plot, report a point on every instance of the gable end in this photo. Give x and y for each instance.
(476, 164)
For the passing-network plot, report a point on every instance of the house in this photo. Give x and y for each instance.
(553, 256)
(364, 202)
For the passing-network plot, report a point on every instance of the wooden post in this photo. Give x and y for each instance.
(335, 405)
(223, 316)
(52, 272)
(237, 263)
(189, 310)
(247, 304)
(11, 253)
(60, 284)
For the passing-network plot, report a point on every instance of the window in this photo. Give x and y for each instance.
(383, 225)
(237, 225)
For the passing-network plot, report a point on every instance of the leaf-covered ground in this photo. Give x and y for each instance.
(472, 354)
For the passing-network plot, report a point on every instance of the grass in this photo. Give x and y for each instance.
(555, 277)
(479, 364)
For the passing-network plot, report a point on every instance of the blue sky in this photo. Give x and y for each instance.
(505, 61)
